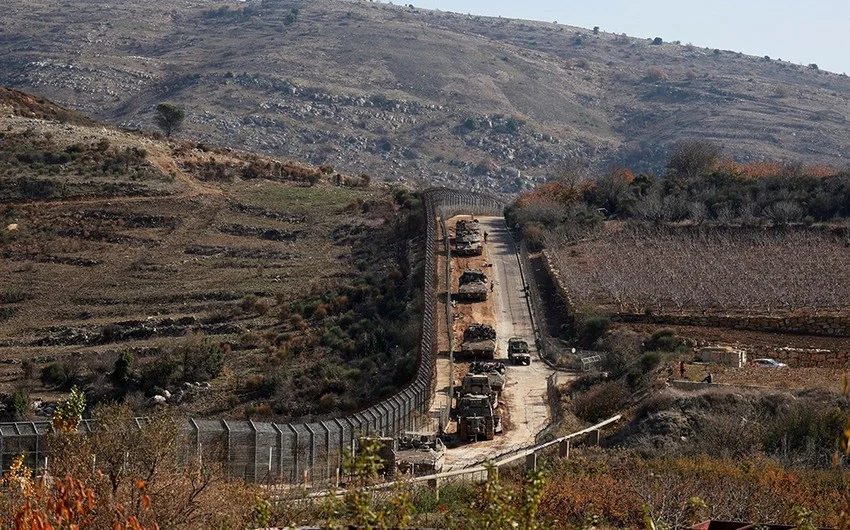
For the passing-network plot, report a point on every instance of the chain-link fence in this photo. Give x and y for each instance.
(303, 453)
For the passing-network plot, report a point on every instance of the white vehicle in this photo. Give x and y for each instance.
(770, 363)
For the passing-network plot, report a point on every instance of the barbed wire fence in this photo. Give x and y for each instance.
(311, 453)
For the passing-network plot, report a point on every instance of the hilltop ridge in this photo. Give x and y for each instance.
(409, 94)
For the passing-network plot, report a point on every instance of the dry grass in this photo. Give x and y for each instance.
(87, 276)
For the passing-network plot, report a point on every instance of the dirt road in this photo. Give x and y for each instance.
(524, 405)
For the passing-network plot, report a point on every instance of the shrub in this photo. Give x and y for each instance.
(591, 329)
(196, 359)
(122, 371)
(58, 374)
(657, 41)
(662, 340)
(656, 74)
(601, 401)
(534, 236)
(650, 361)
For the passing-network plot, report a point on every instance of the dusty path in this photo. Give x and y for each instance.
(524, 398)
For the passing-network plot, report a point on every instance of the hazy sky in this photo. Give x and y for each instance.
(803, 32)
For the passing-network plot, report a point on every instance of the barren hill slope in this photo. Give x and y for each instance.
(406, 93)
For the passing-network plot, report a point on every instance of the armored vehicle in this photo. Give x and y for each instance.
(477, 385)
(469, 249)
(476, 419)
(495, 373)
(472, 286)
(479, 340)
(518, 351)
(468, 231)
(468, 238)
(419, 454)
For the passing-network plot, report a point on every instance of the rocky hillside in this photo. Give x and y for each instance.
(133, 267)
(406, 94)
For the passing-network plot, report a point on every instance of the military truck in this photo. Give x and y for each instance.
(419, 453)
(495, 373)
(476, 419)
(472, 286)
(479, 340)
(518, 351)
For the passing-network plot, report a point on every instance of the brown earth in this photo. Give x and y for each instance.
(86, 277)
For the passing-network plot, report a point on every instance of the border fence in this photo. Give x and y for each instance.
(302, 453)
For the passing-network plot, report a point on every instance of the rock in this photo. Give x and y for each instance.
(159, 400)
(166, 394)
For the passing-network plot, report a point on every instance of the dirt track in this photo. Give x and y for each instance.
(524, 403)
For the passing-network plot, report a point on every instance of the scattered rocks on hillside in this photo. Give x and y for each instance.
(93, 335)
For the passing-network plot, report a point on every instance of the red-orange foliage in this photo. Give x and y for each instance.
(68, 503)
(771, 169)
(556, 191)
(618, 488)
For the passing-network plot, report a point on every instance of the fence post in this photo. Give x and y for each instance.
(564, 449)
(531, 461)
(256, 446)
(227, 428)
(434, 484)
(294, 454)
(312, 451)
(327, 450)
(279, 450)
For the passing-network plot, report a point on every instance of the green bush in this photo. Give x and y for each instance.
(196, 359)
(58, 374)
(663, 340)
(123, 370)
(592, 329)
(650, 361)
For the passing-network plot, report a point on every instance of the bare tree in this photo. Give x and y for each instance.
(692, 158)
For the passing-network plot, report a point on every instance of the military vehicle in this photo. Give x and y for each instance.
(477, 385)
(476, 419)
(468, 231)
(472, 286)
(419, 454)
(495, 373)
(518, 351)
(468, 238)
(479, 340)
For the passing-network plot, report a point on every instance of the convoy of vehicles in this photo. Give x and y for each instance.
(477, 396)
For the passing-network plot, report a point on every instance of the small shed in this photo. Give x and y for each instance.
(726, 355)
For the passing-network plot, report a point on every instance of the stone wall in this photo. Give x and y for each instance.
(825, 325)
(555, 274)
(811, 358)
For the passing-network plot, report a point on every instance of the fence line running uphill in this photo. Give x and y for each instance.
(302, 453)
